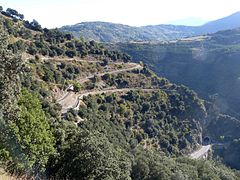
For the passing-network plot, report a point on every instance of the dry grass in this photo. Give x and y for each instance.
(5, 176)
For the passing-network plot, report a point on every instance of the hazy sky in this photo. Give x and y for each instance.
(56, 13)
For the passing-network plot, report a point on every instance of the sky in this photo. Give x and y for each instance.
(57, 13)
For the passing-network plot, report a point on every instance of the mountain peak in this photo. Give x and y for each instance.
(230, 22)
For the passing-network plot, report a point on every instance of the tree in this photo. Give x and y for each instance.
(33, 132)
(149, 165)
(90, 156)
(105, 62)
(35, 25)
(14, 13)
(21, 16)
(1, 8)
(96, 79)
(145, 107)
(69, 37)
(76, 87)
(71, 53)
(10, 68)
(140, 170)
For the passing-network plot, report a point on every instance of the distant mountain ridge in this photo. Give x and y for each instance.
(190, 21)
(113, 33)
(229, 22)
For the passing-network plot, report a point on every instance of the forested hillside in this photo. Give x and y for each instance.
(114, 33)
(72, 109)
(207, 64)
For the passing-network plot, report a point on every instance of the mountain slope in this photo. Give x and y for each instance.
(229, 22)
(90, 114)
(112, 33)
(208, 64)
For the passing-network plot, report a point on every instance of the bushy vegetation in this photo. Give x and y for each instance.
(152, 165)
(231, 154)
(89, 155)
(33, 133)
(50, 42)
(139, 134)
(154, 119)
(10, 68)
(208, 64)
(112, 33)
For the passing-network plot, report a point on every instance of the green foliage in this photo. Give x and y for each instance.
(10, 67)
(89, 155)
(223, 128)
(33, 132)
(154, 115)
(231, 154)
(126, 135)
(152, 165)
(113, 33)
(76, 87)
(207, 64)
(13, 13)
(52, 42)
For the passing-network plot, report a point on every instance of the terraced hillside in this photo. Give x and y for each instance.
(86, 112)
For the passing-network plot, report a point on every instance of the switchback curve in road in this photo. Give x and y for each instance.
(200, 152)
(73, 101)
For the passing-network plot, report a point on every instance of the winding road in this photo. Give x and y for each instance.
(62, 59)
(200, 152)
(134, 66)
(73, 100)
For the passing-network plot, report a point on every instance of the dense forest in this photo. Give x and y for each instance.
(140, 126)
(209, 65)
